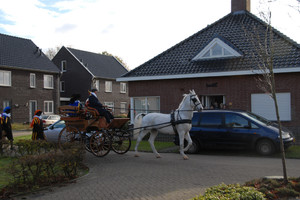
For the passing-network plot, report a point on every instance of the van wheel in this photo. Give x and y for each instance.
(194, 148)
(265, 147)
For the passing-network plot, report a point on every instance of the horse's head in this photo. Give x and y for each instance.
(194, 100)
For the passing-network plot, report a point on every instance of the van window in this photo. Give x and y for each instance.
(211, 120)
(235, 121)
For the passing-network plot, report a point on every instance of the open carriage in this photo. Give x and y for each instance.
(85, 126)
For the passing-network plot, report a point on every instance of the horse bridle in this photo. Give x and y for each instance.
(194, 100)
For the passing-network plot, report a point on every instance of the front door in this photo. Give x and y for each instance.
(32, 108)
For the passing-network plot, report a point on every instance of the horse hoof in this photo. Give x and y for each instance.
(136, 155)
(185, 158)
(158, 156)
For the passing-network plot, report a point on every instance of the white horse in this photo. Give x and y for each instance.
(157, 122)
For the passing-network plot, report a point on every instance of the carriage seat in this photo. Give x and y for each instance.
(93, 111)
(69, 111)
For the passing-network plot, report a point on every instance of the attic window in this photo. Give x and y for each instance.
(216, 49)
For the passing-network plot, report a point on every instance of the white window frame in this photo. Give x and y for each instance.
(123, 88)
(108, 86)
(62, 86)
(97, 85)
(123, 107)
(48, 81)
(32, 80)
(48, 107)
(211, 45)
(144, 106)
(31, 109)
(63, 65)
(6, 103)
(110, 105)
(5, 78)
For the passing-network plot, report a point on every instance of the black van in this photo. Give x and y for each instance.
(220, 129)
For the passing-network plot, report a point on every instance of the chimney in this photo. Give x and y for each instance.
(239, 5)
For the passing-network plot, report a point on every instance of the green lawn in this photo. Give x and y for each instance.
(145, 146)
(293, 152)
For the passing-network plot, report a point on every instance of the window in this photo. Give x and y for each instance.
(123, 107)
(32, 80)
(48, 107)
(98, 85)
(64, 66)
(5, 78)
(235, 121)
(62, 86)
(216, 49)
(108, 86)
(6, 103)
(146, 105)
(48, 81)
(110, 105)
(211, 120)
(123, 87)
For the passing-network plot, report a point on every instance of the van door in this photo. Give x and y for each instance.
(211, 130)
(241, 132)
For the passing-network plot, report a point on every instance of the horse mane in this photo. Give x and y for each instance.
(185, 96)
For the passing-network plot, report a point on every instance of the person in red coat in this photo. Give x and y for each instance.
(37, 126)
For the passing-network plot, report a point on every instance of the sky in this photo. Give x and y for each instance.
(134, 30)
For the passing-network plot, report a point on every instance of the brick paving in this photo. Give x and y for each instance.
(170, 177)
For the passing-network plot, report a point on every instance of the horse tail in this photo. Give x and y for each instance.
(137, 124)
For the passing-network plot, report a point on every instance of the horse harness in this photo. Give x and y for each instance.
(176, 122)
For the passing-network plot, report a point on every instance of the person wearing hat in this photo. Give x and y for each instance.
(37, 126)
(94, 102)
(6, 125)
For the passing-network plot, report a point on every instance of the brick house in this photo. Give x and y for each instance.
(82, 70)
(218, 62)
(28, 79)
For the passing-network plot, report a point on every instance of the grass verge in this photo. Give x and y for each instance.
(145, 146)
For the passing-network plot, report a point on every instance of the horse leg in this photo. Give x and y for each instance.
(181, 145)
(190, 141)
(139, 139)
(152, 137)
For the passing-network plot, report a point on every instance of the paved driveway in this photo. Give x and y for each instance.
(170, 177)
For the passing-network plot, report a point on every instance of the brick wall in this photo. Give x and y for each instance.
(236, 89)
(20, 93)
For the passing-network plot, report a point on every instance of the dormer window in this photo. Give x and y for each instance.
(216, 49)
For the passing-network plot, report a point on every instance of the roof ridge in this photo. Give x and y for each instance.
(12, 36)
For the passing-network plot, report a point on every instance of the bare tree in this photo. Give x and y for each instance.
(262, 39)
(118, 58)
(51, 52)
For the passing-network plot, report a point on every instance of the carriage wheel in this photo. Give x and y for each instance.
(121, 142)
(70, 135)
(100, 144)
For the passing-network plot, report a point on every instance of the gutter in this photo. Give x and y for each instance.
(205, 75)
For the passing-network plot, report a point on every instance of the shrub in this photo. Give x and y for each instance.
(230, 192)
(39, 163)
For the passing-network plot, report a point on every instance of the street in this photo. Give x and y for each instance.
(170, 177)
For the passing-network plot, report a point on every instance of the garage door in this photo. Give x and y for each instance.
(263, 105)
